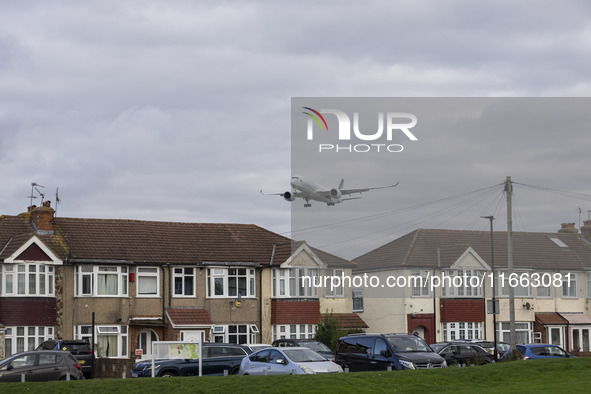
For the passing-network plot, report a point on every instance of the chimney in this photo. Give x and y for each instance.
(42, 217)
(568, 228)
(586, 230)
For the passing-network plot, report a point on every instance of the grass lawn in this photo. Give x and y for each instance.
(569, 375)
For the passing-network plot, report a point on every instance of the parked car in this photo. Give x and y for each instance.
(80, 349)
(489, 346)
(541, 350)
(257, 346)
(40, 366)
(462, 353)
(317, 346)
(217, 358)
(286, 361)
(377, 352)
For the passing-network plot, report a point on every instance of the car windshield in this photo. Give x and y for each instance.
(316, 346)
(437, 346)
(303, 355)
(409, 344)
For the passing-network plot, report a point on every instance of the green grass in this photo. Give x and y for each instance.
(572, 375)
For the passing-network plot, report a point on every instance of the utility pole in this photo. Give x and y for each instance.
(509, 190)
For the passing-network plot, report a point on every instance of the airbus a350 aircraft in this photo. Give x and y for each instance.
(308, 190)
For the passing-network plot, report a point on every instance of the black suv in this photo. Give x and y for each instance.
(378, 352)
(80, 349)
(317, 346)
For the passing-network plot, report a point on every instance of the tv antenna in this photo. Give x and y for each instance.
(33, 188)
(57, 199)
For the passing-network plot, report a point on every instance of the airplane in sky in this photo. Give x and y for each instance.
(308, 190)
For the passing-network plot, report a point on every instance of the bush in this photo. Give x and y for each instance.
(330, 330)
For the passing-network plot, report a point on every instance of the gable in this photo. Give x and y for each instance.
(33, 250)
(470, 260)
(303, 257)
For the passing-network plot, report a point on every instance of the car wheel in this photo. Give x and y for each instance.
(169, 374)
(235, 371)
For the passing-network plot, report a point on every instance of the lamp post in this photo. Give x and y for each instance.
(494, 301)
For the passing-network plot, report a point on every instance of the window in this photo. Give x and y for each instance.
(27, 280)
(420, 287)
(230, 282)
(569, 285)
(357, 300)
(588, 284)
(184, 282)
(462, 330)
(295, 282)
(523, 332)
(336, 291)
(235, 333)
(543, 291)
(21, 339)
(294, 331)
(461, 283)
(101, 281)
(502, 289)
(111, 341)
(148, 281)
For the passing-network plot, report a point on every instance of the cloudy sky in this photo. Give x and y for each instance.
(181, 110)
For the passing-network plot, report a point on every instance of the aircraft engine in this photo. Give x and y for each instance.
(335, 193)
(289, 196)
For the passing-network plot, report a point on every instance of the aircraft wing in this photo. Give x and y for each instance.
(352, 191)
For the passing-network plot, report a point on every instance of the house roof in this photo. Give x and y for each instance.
(434, 247)
(551, 318)
(576, 318)
(346, 320)
(153, 242)
(186, 317)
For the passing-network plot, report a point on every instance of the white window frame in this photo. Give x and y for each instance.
(461, 330)
(141, 273)
(15, 280)
(569, 287)
(504, 333)
(519, 291)
(287, 283)
(84, 332)
(182, 273)
(95, 274)
(465, 290)
(23, 338)
(294, 331)
(337, 291)
(224, 276)
(422, 290)
(233, 333)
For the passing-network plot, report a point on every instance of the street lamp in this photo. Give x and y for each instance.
(494, 301)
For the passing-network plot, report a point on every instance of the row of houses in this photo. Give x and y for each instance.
(145, 281)
(137, 282)
(551, 283)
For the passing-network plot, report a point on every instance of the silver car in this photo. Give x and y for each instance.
(286, 361)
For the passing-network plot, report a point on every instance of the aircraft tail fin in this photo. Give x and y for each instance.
(342, 183)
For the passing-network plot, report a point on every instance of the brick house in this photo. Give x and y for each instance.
(142, 281)
(556, 314)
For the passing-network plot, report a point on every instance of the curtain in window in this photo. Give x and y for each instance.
(107, 284)
(107, 345)
(147, 285)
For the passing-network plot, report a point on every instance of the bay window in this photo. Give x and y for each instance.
(29, 279)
